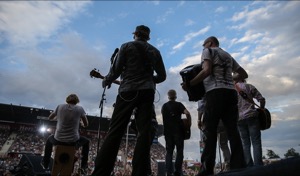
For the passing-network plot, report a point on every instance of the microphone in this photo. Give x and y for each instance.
(113, 55)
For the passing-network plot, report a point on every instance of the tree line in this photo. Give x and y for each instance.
(290, 153)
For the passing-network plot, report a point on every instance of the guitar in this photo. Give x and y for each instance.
(187, 129)
(96, 74)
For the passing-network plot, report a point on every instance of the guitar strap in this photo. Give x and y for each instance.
(245, 96)
(265, 118)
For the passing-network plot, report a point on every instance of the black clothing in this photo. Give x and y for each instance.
(134, 68)
(136, 90)
(174, 135)
(221, 104)
(171, 112)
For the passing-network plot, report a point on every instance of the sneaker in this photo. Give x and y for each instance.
(227, 167)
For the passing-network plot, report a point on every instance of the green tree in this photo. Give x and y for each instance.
(291, 152)
(271, 154)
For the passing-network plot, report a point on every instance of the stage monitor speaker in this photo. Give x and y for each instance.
(161, 168)
(30, 165)
(289, 167)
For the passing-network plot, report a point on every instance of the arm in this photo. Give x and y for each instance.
(84, 121)
(52, 116)
(160, 71)
(188, 116)
(97, 74)
(205, 72)
(116, 68)
(200, 113)
(200, 120)
(257, 95)
(240, 74)
(262, 103)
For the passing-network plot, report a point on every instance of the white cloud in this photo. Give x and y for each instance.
(220, 9)
(163, 18)
(50, 75)
(189, 22)
(189, 37)
(28, 22)
(250, 36)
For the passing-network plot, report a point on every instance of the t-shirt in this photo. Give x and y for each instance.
(68, 120)
(171, 113)
(223, 65)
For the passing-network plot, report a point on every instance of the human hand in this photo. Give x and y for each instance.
(184, 86)
(201, 126)
(82, 124)
(105, 83)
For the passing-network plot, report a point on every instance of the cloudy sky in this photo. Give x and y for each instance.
(48, 48)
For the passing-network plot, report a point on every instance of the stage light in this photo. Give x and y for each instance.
(49, 130)
(42, 129)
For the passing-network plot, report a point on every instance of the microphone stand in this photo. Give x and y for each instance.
(112, 59)
(101, 111)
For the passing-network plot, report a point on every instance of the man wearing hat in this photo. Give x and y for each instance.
(135, 64)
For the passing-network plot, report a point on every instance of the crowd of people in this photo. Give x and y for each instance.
(29, 140)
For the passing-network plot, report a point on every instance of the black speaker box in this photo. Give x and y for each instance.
(30, 165)
(161, 168)
(288, 167)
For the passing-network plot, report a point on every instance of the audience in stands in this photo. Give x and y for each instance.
(20, 145)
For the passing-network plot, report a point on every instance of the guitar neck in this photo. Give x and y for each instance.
(96, 74)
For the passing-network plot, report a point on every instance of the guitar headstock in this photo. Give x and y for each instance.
(96, 74)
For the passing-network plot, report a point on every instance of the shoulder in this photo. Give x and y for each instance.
(208, 53)
(128, 45)
(61, 105)
(178, 102)
(178, 105)
(164, 105)
(251, 86)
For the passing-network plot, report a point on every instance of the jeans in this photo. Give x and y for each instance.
(223, 141)
(171, 142)
(221, 104)
(250, 133)
(82, 141)
(125, 103)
